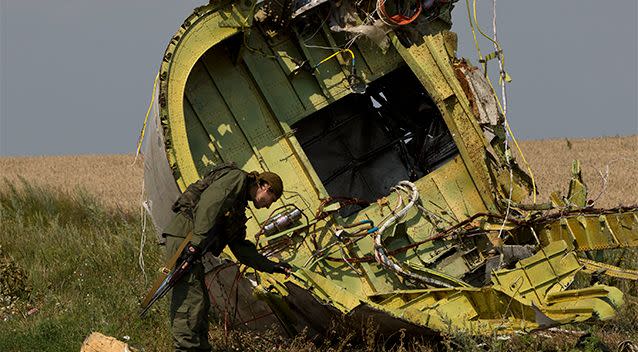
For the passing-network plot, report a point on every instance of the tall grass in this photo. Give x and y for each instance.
(80, 260)
(82, 268)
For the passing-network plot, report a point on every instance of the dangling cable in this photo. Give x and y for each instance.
(501, 59)
(148, 112)
(469, 17)
(140, 258)
(143, 203)
(335, 54)
(502, 81)
(498, 102)
(502, 108)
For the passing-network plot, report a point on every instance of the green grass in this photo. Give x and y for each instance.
(81, 263)
(76, 261)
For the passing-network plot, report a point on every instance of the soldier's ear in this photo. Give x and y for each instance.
(263, 185)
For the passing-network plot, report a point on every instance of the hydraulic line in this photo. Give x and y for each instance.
(380, 253)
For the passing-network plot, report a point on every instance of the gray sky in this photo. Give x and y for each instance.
(76, 75)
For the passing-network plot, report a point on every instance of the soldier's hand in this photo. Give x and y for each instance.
(191, 248)
(190, 254)
(283, 268)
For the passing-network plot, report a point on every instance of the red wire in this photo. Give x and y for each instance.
(400, 19)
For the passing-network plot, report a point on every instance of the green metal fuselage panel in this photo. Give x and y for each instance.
(231, 92)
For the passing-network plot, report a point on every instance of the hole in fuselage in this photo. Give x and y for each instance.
(363, 144)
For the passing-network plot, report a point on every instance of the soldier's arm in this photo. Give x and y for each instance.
(246, 252)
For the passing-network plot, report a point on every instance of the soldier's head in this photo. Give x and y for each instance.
(266, 190)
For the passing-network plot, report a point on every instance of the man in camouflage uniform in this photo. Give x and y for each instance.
(216, 220)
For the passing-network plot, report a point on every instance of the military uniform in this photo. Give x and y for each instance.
(219, 216)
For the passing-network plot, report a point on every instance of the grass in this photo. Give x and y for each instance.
(81, 262)
(69, 246)
(82, 275)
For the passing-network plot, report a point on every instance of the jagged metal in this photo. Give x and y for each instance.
(594, 267)
(461, 251)
(590, 229)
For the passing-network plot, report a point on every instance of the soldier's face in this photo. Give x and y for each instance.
(264, 196)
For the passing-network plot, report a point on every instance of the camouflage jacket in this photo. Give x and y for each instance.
(220, 217)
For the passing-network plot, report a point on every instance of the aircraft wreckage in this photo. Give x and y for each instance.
(403, 202)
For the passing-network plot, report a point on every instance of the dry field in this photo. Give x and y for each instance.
(111, 178)
(610, 166)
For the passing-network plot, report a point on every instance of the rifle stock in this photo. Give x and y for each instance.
(159, 288)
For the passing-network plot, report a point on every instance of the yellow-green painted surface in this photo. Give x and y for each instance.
(230, 91)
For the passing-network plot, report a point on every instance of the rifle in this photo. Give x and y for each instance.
(171, 273)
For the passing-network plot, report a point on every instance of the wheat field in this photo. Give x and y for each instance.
(609, 164)
(113, 179)
(609, 167)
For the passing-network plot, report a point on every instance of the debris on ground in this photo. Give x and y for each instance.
(97, 342)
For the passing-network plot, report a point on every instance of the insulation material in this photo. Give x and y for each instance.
(157, 175)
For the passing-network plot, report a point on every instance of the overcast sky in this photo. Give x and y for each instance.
(76, 75)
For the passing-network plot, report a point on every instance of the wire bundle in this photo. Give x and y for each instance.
(407, 13)
(380, 253)
(402, 17)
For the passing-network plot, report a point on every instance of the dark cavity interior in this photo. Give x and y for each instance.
(364, 144)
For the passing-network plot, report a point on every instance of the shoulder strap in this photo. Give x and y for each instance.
(187, 201)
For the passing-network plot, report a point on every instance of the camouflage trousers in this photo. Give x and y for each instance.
(189, 306)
